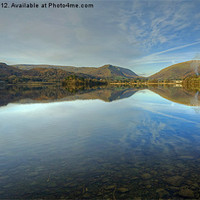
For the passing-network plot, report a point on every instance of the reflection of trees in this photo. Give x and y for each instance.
(178, 95)
(48, 93)
(57, 93)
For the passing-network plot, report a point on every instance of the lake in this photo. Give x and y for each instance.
(102, 143)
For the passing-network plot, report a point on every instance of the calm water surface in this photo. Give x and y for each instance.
(141, 146)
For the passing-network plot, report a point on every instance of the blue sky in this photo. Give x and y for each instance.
(144, 36)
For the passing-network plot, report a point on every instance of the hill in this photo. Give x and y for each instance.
(6, 71)
(106, 71)
(12, 74)
(178, 71)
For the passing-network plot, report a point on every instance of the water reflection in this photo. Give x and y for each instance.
(141, 147)
(178, 95)
(46, 94)
(52, 93)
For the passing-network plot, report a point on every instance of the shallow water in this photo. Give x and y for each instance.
(142, 146)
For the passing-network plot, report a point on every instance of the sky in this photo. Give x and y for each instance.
(142, 35)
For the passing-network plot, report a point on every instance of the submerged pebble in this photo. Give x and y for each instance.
(123, 190)
(86, 195)
(185, 192)
(146, 176)
(162, 192)
(110, 187)
(137, 198)
(148, 186)
(175, 180)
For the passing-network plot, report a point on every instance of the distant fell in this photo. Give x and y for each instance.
(178, 71)
(106, 71)
(12, 74)
(6, 70)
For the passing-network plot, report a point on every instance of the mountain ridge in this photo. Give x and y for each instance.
(12, 74)
(178, 71)
(105, 71)
(174, 72)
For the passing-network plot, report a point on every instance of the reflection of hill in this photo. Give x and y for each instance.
(178, 95)
(46, 94)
